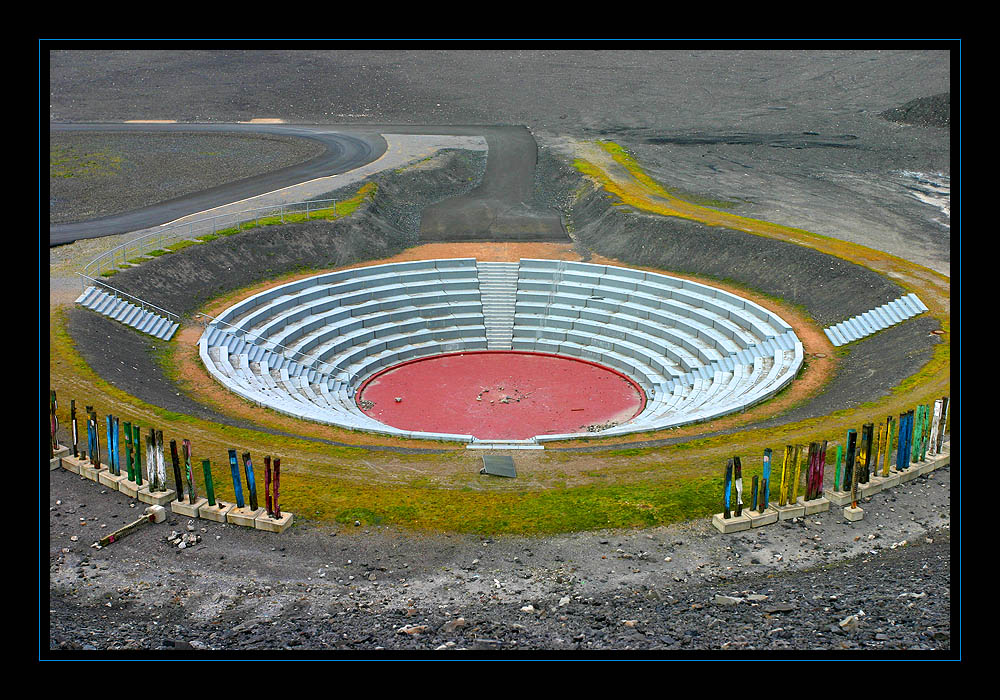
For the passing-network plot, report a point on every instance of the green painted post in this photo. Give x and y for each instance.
(136, 442)
(836, 473)
(206, 466)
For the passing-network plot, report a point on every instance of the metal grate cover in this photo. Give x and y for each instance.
(498, 465)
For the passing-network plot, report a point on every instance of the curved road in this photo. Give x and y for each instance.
(499, 208)
(345, 151)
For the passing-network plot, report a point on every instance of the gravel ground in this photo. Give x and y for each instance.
(814, 583)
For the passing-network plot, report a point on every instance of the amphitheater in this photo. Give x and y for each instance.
(697, 352)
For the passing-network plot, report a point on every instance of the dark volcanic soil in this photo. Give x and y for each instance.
(365, 590)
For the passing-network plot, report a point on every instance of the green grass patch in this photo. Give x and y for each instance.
(67, 162)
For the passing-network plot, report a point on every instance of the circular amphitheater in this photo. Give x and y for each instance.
(312, 348)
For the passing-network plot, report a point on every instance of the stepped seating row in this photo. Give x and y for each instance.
(698, 352)
(117, 309)
(875, 320)
(303, 348)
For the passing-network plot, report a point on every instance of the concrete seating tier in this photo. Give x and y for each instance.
(697, 351)
(305, 347)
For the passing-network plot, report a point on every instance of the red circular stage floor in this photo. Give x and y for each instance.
(494, 395)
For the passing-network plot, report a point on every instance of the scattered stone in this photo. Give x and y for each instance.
(726, 600)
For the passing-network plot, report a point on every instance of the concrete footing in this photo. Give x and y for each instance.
(72, 464)
(266, 522)
(129, 488)
(91, 472)
(112, 481)
(875, 485)
(815, 505)
(244, 516)
(854, 514)
(57, 454)
(732, 523)
(758, 519)
(790, 510)
(156, 498)
(839, 498)
(216, 513)
(187, 508)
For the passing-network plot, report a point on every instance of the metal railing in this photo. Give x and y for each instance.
(165, 236)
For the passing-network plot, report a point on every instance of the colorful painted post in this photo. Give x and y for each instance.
(945, 405)
(53, 423)
(935, 422)
(864, 466)
(115, 449)
(95, 454)
(136, 433)
(738, 480)
(175, 460)
(206, 467)
(879, 449)
(849, 457)
(161, 463)
(811, 470)
(901, 444)
(783, 485)
(753, 493)
(925, 434)
(765, 482)
(188, 472)
(129, 470)
(234, 466)
(890, 429)
(821, 470)
(728, 489)
(277, 483)
(251, 482)
(836, 473)
(109, 422)
(151, 459)
(72, 422)
(267, 485)
(794, 497)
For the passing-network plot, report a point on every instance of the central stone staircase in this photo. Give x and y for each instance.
(498, 291)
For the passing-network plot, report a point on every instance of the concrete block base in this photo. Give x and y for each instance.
(759, 519)
(789, 511)
(156, 498)
(816, 505)
(730, 524)
(243, 516)
(55, 463)
(129, 488)
(889, 481)
(91, 472)
(187, 508)
(266, 522)
(909, 474)
(72, 464)
(854, 514)
(216, 513)
(839, 498)
(61, 451)
(873, 486)
(110, 480)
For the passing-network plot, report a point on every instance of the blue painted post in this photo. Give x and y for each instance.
(728, 488)
(765, 483)
(251, 481)
(738, 479)
(234, 467)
